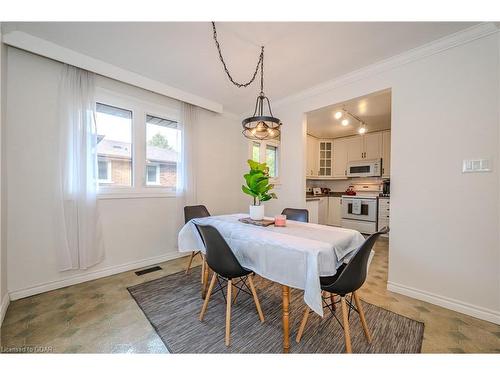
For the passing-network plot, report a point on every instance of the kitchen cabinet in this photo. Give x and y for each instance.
(334, 211)
(354, 148)
(339, 158)
(372, 145)
(312, 207)
(325, 158)
(312, 162)
(329, 158)
(386, 153)
(384, 211)
(323, 210)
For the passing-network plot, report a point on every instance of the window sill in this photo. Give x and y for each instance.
(137, 195)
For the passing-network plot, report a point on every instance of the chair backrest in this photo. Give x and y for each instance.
(354, 273)
(297, 214)
(193, 212)
(219, 256)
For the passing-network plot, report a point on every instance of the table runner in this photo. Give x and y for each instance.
(295, 255)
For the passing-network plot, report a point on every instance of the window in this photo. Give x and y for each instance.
(268, 152)
(163, 146)
(104, 171)
(271, 160)
(138, 146)
(256, 151)
(114, 145)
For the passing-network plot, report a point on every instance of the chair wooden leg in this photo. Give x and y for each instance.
(255, 298)
(193, 253)
(303, 324)
(207, 297)
(228, 312)
(362, 317)
(205, 281)
(332, 300)
(345, 319)
(202, 268)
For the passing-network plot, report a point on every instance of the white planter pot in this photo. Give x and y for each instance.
(257, 212)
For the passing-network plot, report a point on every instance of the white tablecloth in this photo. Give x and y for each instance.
(295, 255)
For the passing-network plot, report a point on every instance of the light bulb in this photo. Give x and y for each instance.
(362, 130)
(338, 114)
(345, 122)
(253, 131)
(271, 132)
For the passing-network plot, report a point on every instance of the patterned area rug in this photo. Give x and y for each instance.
(172, 305)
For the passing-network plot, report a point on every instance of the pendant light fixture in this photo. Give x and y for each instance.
(261, 125)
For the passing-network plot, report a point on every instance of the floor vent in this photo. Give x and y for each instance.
(148, 270)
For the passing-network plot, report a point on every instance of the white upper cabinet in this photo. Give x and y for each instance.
(386, 153)
(325, 158)
(372, 145)
(339, 158)
(312, 164)
(329, 158)
(354, 148)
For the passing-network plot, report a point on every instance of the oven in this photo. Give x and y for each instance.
(365, 168)
(360, 213)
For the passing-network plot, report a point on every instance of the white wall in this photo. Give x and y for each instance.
(444, 240)
(137, 231)
(4, 298)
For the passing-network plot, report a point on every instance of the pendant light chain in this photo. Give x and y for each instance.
(259, 126)
(260, 63)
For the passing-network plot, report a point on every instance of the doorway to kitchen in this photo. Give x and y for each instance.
(348, 166)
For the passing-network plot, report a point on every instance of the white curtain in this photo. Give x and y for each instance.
(186, 162)
(81, 244)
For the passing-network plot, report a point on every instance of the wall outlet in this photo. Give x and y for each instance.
(476, 166)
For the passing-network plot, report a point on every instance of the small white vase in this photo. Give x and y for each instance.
(257, 212)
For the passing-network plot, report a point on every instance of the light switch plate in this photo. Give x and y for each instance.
(476, 165)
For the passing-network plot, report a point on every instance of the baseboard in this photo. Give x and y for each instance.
(3, 307)
(91, 275)
(449, 303)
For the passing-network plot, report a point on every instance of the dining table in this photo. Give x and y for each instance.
(295, 256)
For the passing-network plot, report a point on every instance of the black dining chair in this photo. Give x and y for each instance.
(348, 279)
(193, 212)
(226, 268)
(297, 214)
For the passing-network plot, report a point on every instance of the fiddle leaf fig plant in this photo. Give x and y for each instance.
(257, 183)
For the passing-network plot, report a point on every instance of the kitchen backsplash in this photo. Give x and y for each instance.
(342, 185)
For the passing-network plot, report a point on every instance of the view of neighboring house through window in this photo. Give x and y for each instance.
(163, 142)
(272, 159)
(266, 151)
(114, 145)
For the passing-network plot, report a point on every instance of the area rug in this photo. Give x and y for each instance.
(172, 304)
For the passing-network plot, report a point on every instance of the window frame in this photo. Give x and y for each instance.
(262, 155)
(140, 109)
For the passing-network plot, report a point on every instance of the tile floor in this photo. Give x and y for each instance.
(100, 317)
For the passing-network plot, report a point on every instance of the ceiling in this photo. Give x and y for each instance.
(298, 55)
(373, 109)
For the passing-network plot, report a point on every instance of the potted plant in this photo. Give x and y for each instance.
(258, 187)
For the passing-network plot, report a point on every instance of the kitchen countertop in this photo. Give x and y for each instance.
(310, 197)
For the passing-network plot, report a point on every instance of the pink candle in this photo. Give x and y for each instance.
(280, 221)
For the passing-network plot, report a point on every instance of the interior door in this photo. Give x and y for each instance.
(373, 146)
(354, 148)
(340, 157)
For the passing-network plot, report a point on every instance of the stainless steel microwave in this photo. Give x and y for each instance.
(364, 168)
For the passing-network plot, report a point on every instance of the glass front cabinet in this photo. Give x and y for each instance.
(325, 158)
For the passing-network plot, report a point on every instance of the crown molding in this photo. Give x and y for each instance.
(437, 46)
(65, 55)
